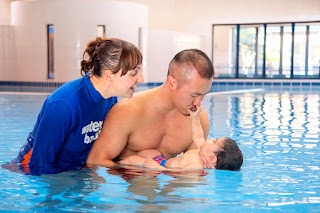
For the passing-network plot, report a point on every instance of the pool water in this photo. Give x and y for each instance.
(278, 134)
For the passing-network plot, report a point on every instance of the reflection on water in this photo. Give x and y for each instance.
(279, 137)
(278, 134)
(266, 118)
(154, 191)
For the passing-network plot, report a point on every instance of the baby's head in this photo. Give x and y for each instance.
(230, 156)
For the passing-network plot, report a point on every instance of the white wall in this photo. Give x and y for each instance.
(7, 47)
(5, 14)
(7, 50)
(76, 20)
(75, 23)
(162, 46)
(193, 15)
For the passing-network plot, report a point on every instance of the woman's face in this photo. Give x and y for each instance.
(126, 85)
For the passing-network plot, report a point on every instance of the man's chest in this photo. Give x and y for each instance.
(170, 138)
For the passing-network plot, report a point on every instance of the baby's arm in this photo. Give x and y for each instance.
(152, 164)
(197, 131)
(140, 157)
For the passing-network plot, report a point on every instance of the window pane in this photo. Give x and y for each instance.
(299, 51)
(223, 51)
(273, 51)
(286, 51)
(314, 51)
(251, 51)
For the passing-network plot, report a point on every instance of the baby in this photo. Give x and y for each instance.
(221, 153)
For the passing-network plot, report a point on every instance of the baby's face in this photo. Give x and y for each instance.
(210, 147)
(214, 144)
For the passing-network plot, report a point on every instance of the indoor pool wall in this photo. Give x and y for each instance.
(217, 85)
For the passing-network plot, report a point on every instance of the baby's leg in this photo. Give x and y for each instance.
(149, 153)
(134, 160)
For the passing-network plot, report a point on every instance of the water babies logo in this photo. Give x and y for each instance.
(95, 127)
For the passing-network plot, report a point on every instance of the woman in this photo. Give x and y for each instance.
(72, 117)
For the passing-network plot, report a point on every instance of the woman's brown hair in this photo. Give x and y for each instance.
(109, 54)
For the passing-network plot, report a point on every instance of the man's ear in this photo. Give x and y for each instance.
(172, 82)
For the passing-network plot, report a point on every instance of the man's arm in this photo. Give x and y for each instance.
(149, 153)
(133, 160)
(114, 135)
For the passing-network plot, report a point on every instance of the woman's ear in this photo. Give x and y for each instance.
(109, 75)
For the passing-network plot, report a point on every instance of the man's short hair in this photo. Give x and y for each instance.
(190, 59)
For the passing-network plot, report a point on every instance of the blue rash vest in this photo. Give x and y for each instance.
(67, 126)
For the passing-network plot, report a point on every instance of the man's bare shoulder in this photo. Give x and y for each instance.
(133, 106)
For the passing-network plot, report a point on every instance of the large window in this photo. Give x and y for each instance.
(267, 50)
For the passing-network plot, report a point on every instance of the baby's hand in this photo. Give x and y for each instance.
(195, 112)
(151, 164)
(208, 159)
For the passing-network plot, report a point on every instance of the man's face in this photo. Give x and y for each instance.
(190, 93)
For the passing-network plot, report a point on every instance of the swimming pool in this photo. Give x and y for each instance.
(278, 133)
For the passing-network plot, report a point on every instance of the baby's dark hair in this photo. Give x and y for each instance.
(231, 157)
(110, 54)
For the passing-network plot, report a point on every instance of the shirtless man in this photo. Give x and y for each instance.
(157, 118)
(222, 153)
